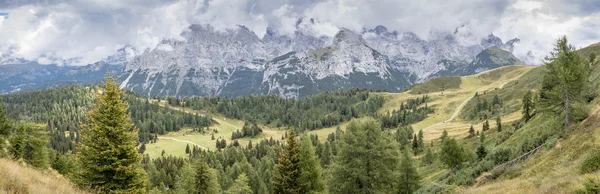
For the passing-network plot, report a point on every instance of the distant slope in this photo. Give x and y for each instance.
(20, 179)
(488, 59)
(594, 48)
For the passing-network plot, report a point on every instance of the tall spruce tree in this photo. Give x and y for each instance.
(408, 177)
(288, 167)
(107, 154)
(240, 186)
(421, 143)
(311, 174)
(5, 130)
(415, 145)
(206, 180)
(499, 124)
(486, 125)
(528, 106)
(564, 80)
(365, 161)
(471, 131)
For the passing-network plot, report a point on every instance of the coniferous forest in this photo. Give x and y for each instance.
(96, 137)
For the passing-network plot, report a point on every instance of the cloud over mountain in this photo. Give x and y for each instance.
(83, 31)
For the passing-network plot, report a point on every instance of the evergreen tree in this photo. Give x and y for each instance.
(365, 161)
(187, 149)
(415, 145)
(496, 100)
(471, 131)
(564, 80)
(288, 167)
(311, 179)
(486, 125)
(481, 152)
(528, 106)
(186, 182)
(36, 152)
(421, 143)
(107, 154)
(452, 154)
(482, 137)
(18, 143)
(240, 186)
(408, 177)
(499, 124)
(206, 180)
(429, 157)
(444, 136)
(5, 130)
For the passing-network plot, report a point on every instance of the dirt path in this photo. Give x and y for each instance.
(183, 141)
(457, 111)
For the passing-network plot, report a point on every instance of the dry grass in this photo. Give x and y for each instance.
(15, 178)
(554, 170)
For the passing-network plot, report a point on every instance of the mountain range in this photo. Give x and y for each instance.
(236, 62)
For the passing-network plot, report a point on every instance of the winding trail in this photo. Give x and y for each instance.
(183, 141)
(458, 109)
(456, 112)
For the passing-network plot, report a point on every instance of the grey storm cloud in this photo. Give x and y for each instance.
(89, 30)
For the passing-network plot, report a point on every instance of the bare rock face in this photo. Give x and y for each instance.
(235, 62)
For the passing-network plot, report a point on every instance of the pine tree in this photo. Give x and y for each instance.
(367, 156)
(107, 154)
(471, 131)
(421, 143)
(36, 151)
(452, 154)
(408, 177)
(187, 149)
(186, 182)
(444, 136)
(564, 80)
(206, 180)
(499, 124)
(486, 125)
(18, 143)
(288, 167)
(5, 130)
(240, 186)
(481, 152)
(528, 106)
(429, 157)
(311, 178)
(482, 137)
(415, 145)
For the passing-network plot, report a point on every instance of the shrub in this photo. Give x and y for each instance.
(501, 155)
(591, 162)
(591, 185)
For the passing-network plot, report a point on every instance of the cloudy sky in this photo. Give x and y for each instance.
(89, 30)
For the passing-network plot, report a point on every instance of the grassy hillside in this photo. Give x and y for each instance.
(16, 178)
(594, 48)
(436, 85)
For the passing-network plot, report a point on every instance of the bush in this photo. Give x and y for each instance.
(590, 186)
(591, 162)
(501, 155)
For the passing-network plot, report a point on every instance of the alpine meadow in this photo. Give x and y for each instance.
(299, 97)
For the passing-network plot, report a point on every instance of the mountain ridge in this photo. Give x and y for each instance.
(235, 62)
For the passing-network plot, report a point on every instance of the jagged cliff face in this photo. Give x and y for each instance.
(207, 62)
(237, 62)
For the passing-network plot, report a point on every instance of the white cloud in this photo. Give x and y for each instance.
(89, 30)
